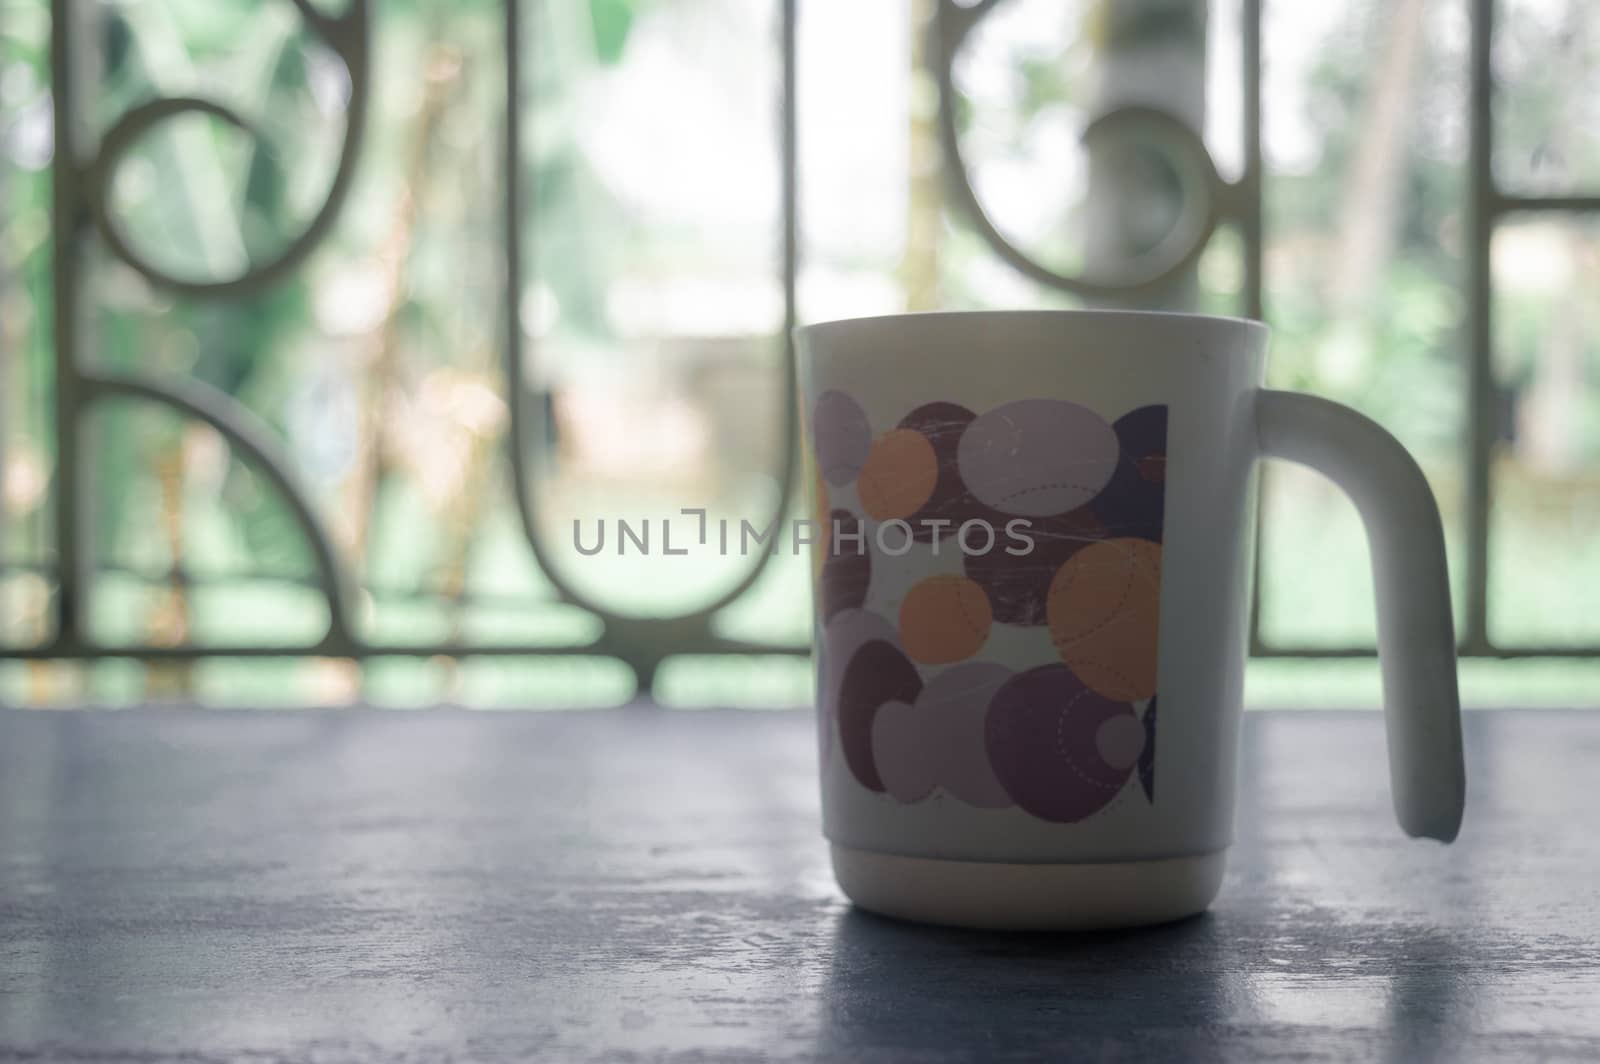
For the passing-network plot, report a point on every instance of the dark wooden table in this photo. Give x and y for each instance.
(646, 884)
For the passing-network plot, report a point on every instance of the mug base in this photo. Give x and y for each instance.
(1029, 897)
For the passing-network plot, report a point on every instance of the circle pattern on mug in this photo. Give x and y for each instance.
(945, 619)
(898, 476)
(1105, 616)
(1042, 735)
(843, 436)
(1060, 740)
(836, 645)
(906, 748)
(956, 704)
(877, 674)
(1036, 457)
(939, 741)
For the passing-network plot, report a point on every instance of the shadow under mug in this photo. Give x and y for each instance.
(1032, 571)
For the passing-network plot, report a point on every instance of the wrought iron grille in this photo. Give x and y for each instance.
(83, 214)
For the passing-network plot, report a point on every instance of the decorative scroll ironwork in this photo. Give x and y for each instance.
(1207, 199)
(81, 185)
(645, 643)
(81, 179)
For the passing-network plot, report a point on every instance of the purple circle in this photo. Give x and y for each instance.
(1037, 457)
(847, 632)
(1132, 503)
(842, 436)
(1042, 733)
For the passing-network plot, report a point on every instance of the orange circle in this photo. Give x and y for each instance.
(898, 476)
(945, 619)
(1104, 611)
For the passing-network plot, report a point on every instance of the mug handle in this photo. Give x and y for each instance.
(1416, 638)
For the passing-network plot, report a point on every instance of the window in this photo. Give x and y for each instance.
(304, 242)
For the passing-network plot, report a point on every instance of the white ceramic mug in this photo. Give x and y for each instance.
(1032, 579)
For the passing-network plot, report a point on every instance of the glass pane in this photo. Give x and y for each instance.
(855, 129)
(654, 301)
(1547, 96)
(376, 368)
(1364, 201)
(191, 547)
(655, 305)
(1545, 534)
(26, 558)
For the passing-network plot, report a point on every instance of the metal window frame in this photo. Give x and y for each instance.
(81, 214)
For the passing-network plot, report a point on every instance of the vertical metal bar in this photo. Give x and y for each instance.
(8, 387)
(528, 428)
(70, 223)
(1251, 213)
(1252, 231)
(6, 373)
(8, 367)
(511, 185)
(1481, 419)
(790, 151)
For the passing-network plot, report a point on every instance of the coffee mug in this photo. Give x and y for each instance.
(1032, 563)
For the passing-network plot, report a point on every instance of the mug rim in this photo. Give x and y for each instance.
(1127, 317)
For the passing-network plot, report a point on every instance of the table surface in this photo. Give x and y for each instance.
(645, 884)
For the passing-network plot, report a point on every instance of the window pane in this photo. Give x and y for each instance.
(1365, 147)
(1545, 534)
(655, 301)
(1547, 96)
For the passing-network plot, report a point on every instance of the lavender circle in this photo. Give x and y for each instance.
(1120, 740)
(955, 703)
(906, 750)
(1037, 457)
(842, 436)
(938, 742)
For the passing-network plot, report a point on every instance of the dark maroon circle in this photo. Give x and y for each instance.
(878, 673)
